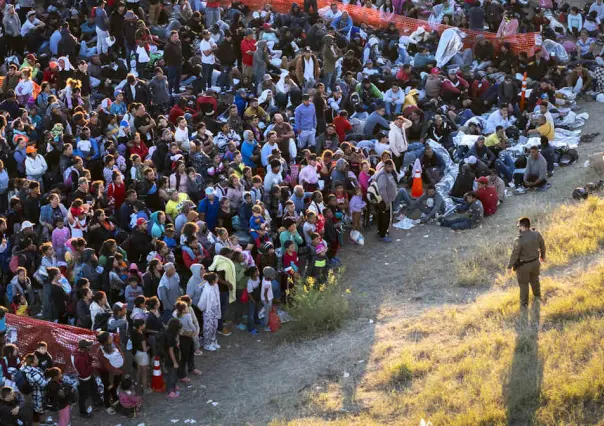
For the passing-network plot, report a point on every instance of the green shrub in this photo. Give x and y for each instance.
(316, 309)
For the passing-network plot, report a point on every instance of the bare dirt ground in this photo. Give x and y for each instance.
(254, 379)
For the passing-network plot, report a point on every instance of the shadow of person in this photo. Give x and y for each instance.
(522, 389)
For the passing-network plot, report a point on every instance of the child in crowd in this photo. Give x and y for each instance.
(356, 208)
(129, 402)
(45, 360)
(60, 235)
(318, 261)
(20, 306)
(253, 291)
(266, 293)
(60, 395)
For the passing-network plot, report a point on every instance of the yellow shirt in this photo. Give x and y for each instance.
(173, 207)
(547, 130)
(492, 140)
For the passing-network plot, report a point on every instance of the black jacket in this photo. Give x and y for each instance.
(142, 94)
(226, 53)
(173, 53)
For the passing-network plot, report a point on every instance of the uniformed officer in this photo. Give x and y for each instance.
(527, 255)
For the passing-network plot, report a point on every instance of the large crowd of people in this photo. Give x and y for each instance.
(170, 170)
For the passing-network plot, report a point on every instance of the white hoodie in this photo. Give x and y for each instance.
(35, 166)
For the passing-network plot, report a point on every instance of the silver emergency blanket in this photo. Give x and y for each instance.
(555, 49)
(450, 44)
(451, 170)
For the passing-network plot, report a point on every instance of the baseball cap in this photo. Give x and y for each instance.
(140, 221)
(118, 305)
(26, 224)
(85, 343)
(30, 149)
(471, 160)
(483, 179)
(210, 191)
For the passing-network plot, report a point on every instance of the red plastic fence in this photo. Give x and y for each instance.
(62, 340)
(519, 43)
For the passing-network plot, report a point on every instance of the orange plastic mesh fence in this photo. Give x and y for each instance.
(519, 43)
(62, 340)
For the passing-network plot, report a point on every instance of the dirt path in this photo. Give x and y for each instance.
(255, 380)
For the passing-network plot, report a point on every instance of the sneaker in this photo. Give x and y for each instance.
(185, 380)
(267, 329)
(110, 411)
(242, 327)
(173, 395)
(225, 332)
(210, 348)
(198, 353)
(253, 332)
(196, 372)
(386, 239)
(216, 345)
(511, 184)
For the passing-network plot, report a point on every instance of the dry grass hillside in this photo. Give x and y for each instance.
(490, 363)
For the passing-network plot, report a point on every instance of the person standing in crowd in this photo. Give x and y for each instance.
(528, 253)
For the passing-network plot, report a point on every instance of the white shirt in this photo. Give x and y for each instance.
(207, 45)
(85, 146)
(265, 296)
(28, 26)
(181, 137)
(133, 88)
(24, 87)
(309, 69)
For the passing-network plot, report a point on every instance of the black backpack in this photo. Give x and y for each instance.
(101, 321)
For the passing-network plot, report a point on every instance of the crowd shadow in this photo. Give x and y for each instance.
(522, 388)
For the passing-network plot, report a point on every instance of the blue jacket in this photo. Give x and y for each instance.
(46, 213)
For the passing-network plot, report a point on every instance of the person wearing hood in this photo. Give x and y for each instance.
(227, 56)
(342, 24)
(168, 291)
(299, 21)
(140, 241)
(66, 71)
(195, 286)
(245, 211)
(158, 220)
(339, 173)
(260, 61)
(88, 267)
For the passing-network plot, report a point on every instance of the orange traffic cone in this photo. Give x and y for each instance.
(157, 382)
(417, 188)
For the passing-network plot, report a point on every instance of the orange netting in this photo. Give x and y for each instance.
(519, 43)
(62, 340)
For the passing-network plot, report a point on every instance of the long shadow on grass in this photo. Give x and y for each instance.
(523, 387)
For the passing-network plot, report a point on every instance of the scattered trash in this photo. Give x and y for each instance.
(174, 420)
(386, 263)
(209, 401)
(586, 164)
(361, 361)
(370, 321)
(426, 236)
(214, 404)
(398, 239)
(141, 424)
(346, 374)
(404, 224)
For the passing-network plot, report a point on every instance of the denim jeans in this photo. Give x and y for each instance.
(329, 80)
(212, 16)
(170, 376)
(401, 197)
(457, 224)
(166, 315)
(174, 74)
(224, 304)
(206, 75)
(224, 80)
(397, 108)
(505, 167)
(414, 151)
(252, 315)
(403, 56)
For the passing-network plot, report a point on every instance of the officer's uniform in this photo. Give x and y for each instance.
(528, 248)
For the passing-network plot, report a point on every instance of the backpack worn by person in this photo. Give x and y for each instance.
(373, 193)
(22, 383)
(101, 321)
